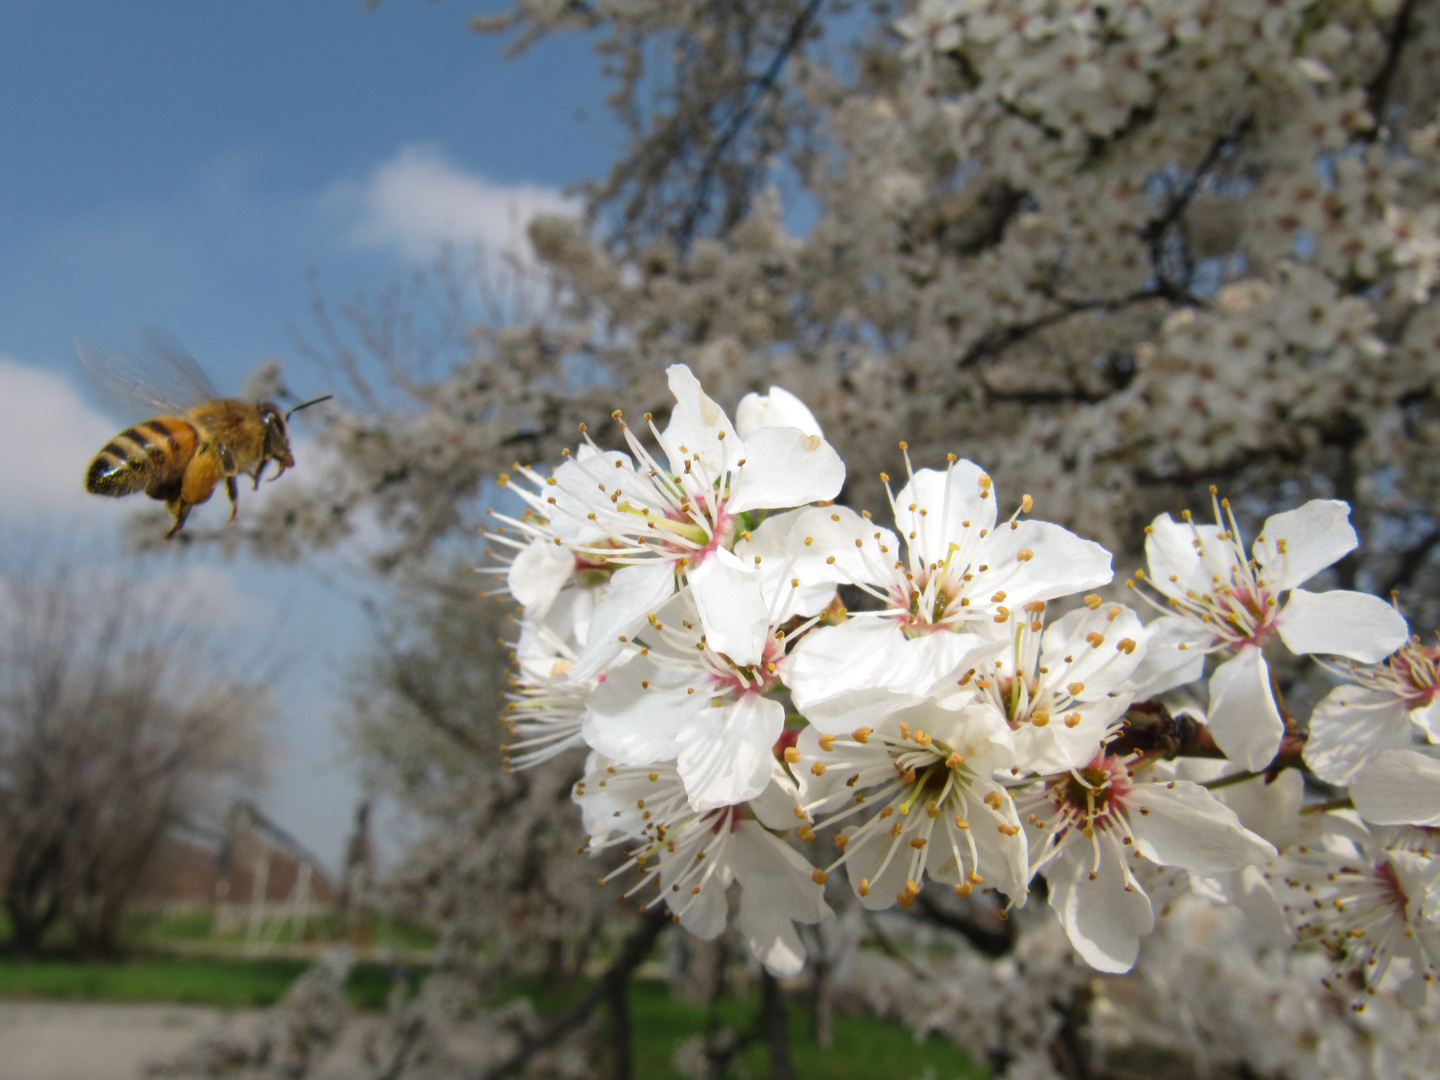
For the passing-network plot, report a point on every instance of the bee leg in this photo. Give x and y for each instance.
(181, 509)
(232, 489)
(259, 472)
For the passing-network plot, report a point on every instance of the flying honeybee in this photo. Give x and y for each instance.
(198, 440)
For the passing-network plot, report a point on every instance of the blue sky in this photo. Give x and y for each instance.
(183, 165)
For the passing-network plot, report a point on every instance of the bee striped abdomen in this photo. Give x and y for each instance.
(144, 455)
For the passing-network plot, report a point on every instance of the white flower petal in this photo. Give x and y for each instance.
(775, 806)
(833, 532)
(778, 409)
(784, 467)
(1097, 664)
(1248, 890)
(1176, 564)
(634, 593)
(863, 861)
(1314, 536)
(867, 665)
(1243, 717)
(1058, 747)
(1174, 656)
(1037, 560)
(1352, 624)
(776, 891)
(838, 669)
(775, 542)
(704, 915)
(1427, 719)
(1181, 824)
(726, 753)
(635, 724)
(1003, 858)
(1270, 810)
(1103, 920)
(732, 609)
(698, 427)
(537, 575)
(573, 492)
(951, 507)
(1399, 787)
(1349, 727)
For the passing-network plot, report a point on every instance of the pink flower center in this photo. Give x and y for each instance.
(1390, 888)
(1091, 798)
(1247, 615)
(926, 602)
(1416, 670)
(758, 678)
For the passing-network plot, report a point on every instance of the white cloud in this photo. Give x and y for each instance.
(420, 200)
(53, 435)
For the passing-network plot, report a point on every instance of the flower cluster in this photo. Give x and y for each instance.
(752, 665)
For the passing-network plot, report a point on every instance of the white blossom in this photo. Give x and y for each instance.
(918, 797)
(693, 857)
(960, 576)
(1226, 599)
(1089, 824)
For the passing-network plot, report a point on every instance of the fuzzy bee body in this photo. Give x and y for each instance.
(180, 459)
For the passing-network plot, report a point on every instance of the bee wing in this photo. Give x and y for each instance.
(161, 375)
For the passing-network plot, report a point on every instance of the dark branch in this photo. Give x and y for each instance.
(988, 940)
(762, 88)
(1411, 560)
(632, 954)
(1378, 92)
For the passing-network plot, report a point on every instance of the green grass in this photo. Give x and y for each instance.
(190, 981)
(197, 925)
(864, 1046)
(187, 980)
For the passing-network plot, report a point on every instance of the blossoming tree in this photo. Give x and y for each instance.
(1062, 267)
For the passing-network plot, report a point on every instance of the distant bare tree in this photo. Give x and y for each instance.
(113, 728)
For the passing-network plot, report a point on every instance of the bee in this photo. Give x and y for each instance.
(198, 440)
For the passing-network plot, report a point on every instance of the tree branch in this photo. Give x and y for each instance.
(1378, 91)
(762, 88)
(1411, 560)
(632, 954)
(991, 942)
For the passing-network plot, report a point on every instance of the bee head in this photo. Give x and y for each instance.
(277, 438)
(277, 435)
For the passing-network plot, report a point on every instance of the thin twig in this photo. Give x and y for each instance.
(760, 89)
(1377, 93)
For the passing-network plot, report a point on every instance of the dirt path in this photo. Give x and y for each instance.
(42, 1040)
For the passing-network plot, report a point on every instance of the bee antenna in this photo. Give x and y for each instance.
(306, 405)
